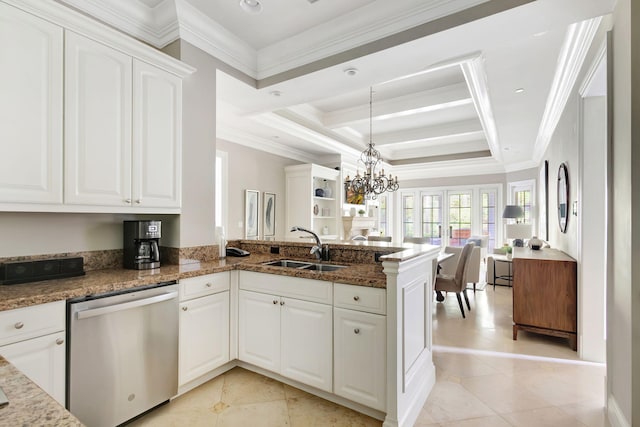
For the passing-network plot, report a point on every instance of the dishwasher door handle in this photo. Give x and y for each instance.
(92, 312)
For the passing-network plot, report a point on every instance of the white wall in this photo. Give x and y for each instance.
(251, 169)
(623, 335)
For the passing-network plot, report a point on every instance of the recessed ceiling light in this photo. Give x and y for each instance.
(275, 93)
(251, 6)
(351, 71)
(519, 90)
(506, 148)
(540, 34)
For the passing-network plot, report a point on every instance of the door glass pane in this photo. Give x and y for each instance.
(407, 215)
(382, 211)
(459, 218)
(489, 201)
(432, 218)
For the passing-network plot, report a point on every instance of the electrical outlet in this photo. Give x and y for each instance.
(275, 249)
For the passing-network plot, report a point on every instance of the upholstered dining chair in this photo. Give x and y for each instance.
(457, 283)
(379, 238)
(422, 240)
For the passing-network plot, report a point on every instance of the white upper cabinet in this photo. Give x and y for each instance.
(157, 161)
(97, 123)
(30, 108)
(90, 119)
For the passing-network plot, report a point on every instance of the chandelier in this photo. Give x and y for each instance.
(371, 183)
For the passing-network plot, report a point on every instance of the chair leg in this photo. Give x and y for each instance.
(474, 288)
(460, 304)
(466, 298)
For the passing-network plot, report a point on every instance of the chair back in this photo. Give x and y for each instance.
(422, 240)
(462, 263)
(379, 238)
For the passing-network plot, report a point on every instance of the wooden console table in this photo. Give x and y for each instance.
(545, 293)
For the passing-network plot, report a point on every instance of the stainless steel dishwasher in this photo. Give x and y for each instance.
(122, 354)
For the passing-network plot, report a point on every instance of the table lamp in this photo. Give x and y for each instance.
(518, 232)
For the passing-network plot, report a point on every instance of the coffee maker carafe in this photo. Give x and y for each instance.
(141, 244)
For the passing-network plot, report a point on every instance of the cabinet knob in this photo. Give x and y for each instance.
(59, 341)
(128, 201)
(275, 301)
(185, 308)
(208, 285)
(356, 331)
(281, 302)
(138, 201)
(19, 325)
(356, 298)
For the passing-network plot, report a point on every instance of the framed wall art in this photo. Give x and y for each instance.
(269, 217)
(251, 214)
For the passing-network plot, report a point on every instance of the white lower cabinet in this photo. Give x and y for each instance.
(33, 339)
(204, 326)
(360, 357)
(289, 336)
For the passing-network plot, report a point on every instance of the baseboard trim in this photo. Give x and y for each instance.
(615, 415)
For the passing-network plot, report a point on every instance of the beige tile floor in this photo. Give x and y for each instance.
(484, 378)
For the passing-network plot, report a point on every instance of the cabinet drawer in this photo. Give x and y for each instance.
(361, 298)
(29, 322)
(287, 286)
(195, 287)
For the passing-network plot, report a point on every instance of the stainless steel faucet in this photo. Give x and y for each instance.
(319, 250)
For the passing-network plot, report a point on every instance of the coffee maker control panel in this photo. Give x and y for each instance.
(151, 230)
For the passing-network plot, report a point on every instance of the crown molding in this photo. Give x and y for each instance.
(462, 167)
(365, 25)
(157, 26)
(474, 74)
(206, 34)
(241, 137)
(574, 50)
(518, 166)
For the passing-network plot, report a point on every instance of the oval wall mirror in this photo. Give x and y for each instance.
(563, 197)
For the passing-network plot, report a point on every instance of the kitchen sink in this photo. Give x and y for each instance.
(288, 263)
(324, 267)
(300, 265)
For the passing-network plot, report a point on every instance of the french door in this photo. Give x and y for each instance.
(449, 217)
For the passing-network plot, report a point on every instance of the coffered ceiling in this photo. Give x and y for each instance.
(459, 87)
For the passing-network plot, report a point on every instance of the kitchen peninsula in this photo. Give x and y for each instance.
(401, 275)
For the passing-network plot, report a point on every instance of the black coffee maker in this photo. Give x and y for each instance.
(140, 244)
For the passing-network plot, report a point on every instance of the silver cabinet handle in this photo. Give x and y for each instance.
(208, 285)
(275, 301)
(59, 341)
(281, 302)
(126, 305)
(356, 298)
(128, 201)
(185, 308)
(356, 331)
(138, 201)
(19, 325)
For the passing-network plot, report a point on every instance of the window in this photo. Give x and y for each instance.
(221, 189)
(522, 193)
(523, 199)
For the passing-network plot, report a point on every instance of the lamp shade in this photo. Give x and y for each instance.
(513, 211)
(518, 231)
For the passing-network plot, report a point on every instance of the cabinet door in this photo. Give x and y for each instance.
(157, 130)
(306, 334)
(30, 108)
(97, 123)
(360, 361)
(41, 359)
(204, 335)
(259, 329)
